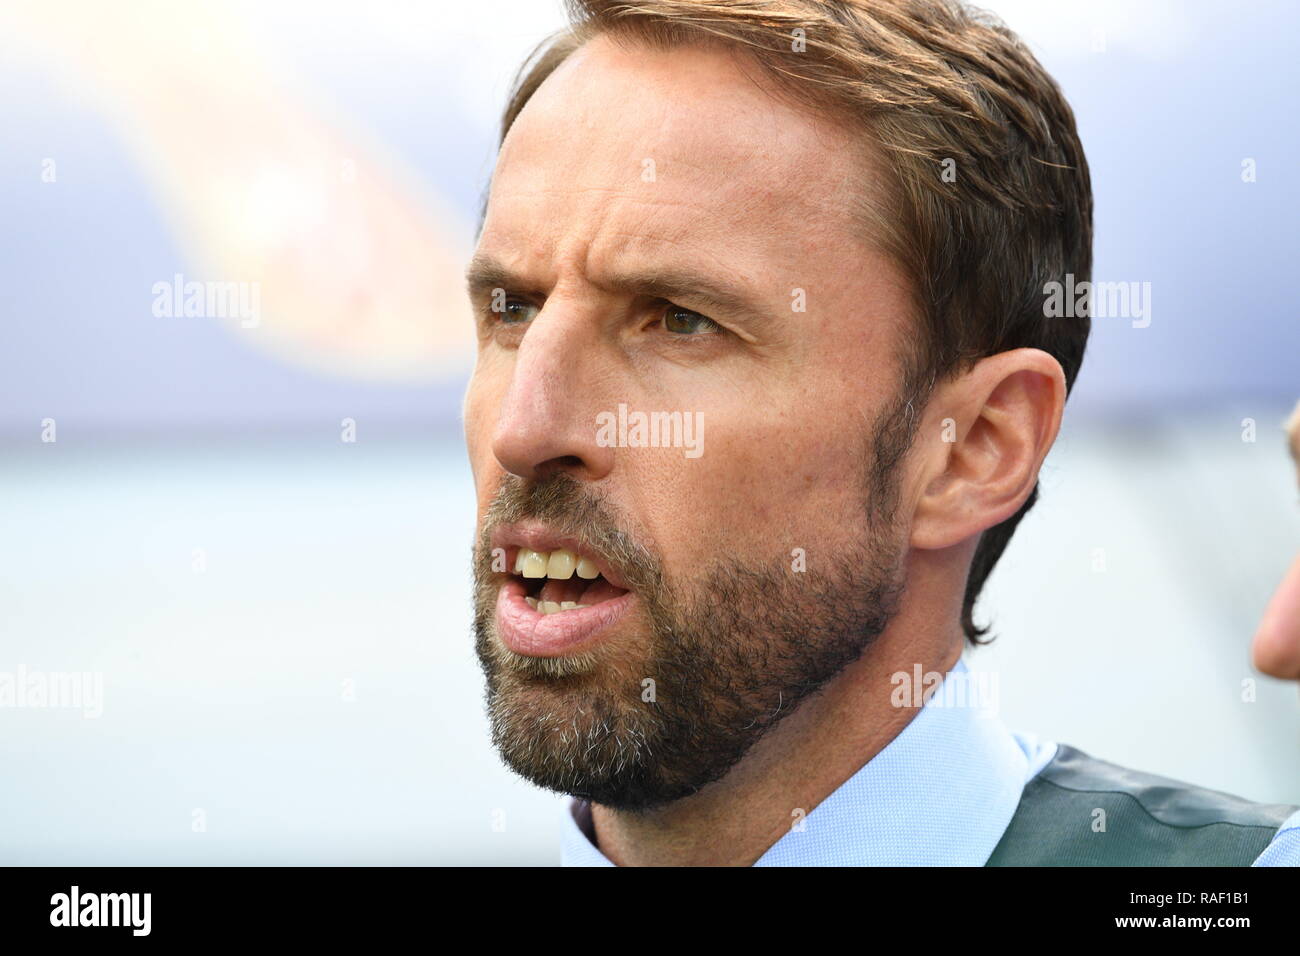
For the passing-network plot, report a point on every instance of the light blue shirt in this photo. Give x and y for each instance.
(941, 793)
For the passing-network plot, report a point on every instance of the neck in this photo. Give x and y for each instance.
(793, 768)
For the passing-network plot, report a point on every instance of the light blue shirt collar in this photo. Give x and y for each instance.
(941, 793)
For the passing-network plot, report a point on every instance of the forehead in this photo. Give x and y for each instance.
(631, 150)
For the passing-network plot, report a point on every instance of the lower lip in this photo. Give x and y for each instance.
(530, 632)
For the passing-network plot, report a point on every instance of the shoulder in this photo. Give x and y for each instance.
(1083, 811)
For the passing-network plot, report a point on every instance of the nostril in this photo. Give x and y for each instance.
(554, 466)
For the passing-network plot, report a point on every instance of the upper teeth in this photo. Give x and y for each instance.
(559, 564)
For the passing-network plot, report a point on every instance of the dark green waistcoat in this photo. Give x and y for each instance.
(1081, 811)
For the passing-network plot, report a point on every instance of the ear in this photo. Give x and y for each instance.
(986, 433)
(1276, 648)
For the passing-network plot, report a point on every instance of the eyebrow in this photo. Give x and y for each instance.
(485, 273)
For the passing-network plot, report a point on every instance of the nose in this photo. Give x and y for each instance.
(547, 420)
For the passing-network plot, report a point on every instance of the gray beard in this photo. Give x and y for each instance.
(723, 665)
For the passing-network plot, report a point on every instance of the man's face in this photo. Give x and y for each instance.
(667, 235)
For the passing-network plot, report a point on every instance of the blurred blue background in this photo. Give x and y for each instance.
(282, 617)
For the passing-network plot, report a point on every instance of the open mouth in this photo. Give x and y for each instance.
(556, 597)
(559, 581)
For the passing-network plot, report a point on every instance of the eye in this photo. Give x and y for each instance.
(515, 311)
(681, 321)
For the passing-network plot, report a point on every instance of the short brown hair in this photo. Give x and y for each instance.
(991, 197)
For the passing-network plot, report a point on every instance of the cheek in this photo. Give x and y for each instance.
(758, 490)
(471, 420)
(479, 420)
(796, 479)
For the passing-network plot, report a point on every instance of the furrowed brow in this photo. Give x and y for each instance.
(677, 285)
(485, 273)
(687, 288)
